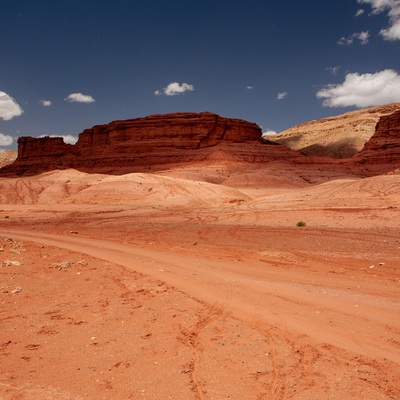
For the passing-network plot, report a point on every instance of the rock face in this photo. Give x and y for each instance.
(152, 142)
(159, 141)
(340, 136)
(384, 145)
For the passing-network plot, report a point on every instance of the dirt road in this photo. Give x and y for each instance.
(316, 313)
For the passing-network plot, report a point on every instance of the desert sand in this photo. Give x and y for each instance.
(196, 283)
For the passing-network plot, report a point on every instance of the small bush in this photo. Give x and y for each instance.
(301, 223)
(6, 216)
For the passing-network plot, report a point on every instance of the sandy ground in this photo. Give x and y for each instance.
(197, 283)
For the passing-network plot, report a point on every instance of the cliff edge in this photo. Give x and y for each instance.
(151, 142)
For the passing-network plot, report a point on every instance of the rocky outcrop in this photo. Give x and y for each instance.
(151, 142)
(159, 141)
(384, 145)
(340, 136)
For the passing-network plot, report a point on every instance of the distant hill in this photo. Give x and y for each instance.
(341, 136)
(7, 157)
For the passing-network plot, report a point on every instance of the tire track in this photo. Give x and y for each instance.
(294, 306)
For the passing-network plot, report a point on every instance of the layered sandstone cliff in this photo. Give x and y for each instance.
(159, 141)
(151, 142)
(384, 145)
(340, 136)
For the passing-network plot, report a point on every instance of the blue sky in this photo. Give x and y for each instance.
(68, 65)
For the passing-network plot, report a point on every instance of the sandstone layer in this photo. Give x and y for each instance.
(158, 142)
(384, 145)
(151, 142)
(340, 136)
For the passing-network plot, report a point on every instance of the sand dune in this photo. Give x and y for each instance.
(197, 283)
(77, 187)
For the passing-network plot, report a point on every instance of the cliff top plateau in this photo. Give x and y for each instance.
(151, 142)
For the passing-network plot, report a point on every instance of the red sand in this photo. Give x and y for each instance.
(197, 284)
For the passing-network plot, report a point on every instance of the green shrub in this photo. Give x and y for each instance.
(301, 223)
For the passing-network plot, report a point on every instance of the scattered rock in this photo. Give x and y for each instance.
(16, 290)
(9, 263)
(62, 265)
(17, 251)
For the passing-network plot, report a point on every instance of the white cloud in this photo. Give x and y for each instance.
(6, 140)
(363, 37)
(359, 12)
(9, 108)
(79, 98)
(363, 90)
(333, 70)
(69, 139)
(249, 87)
(45, 103)
(281, 95)
(175, 88)
(269, 133)
(392, 7)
